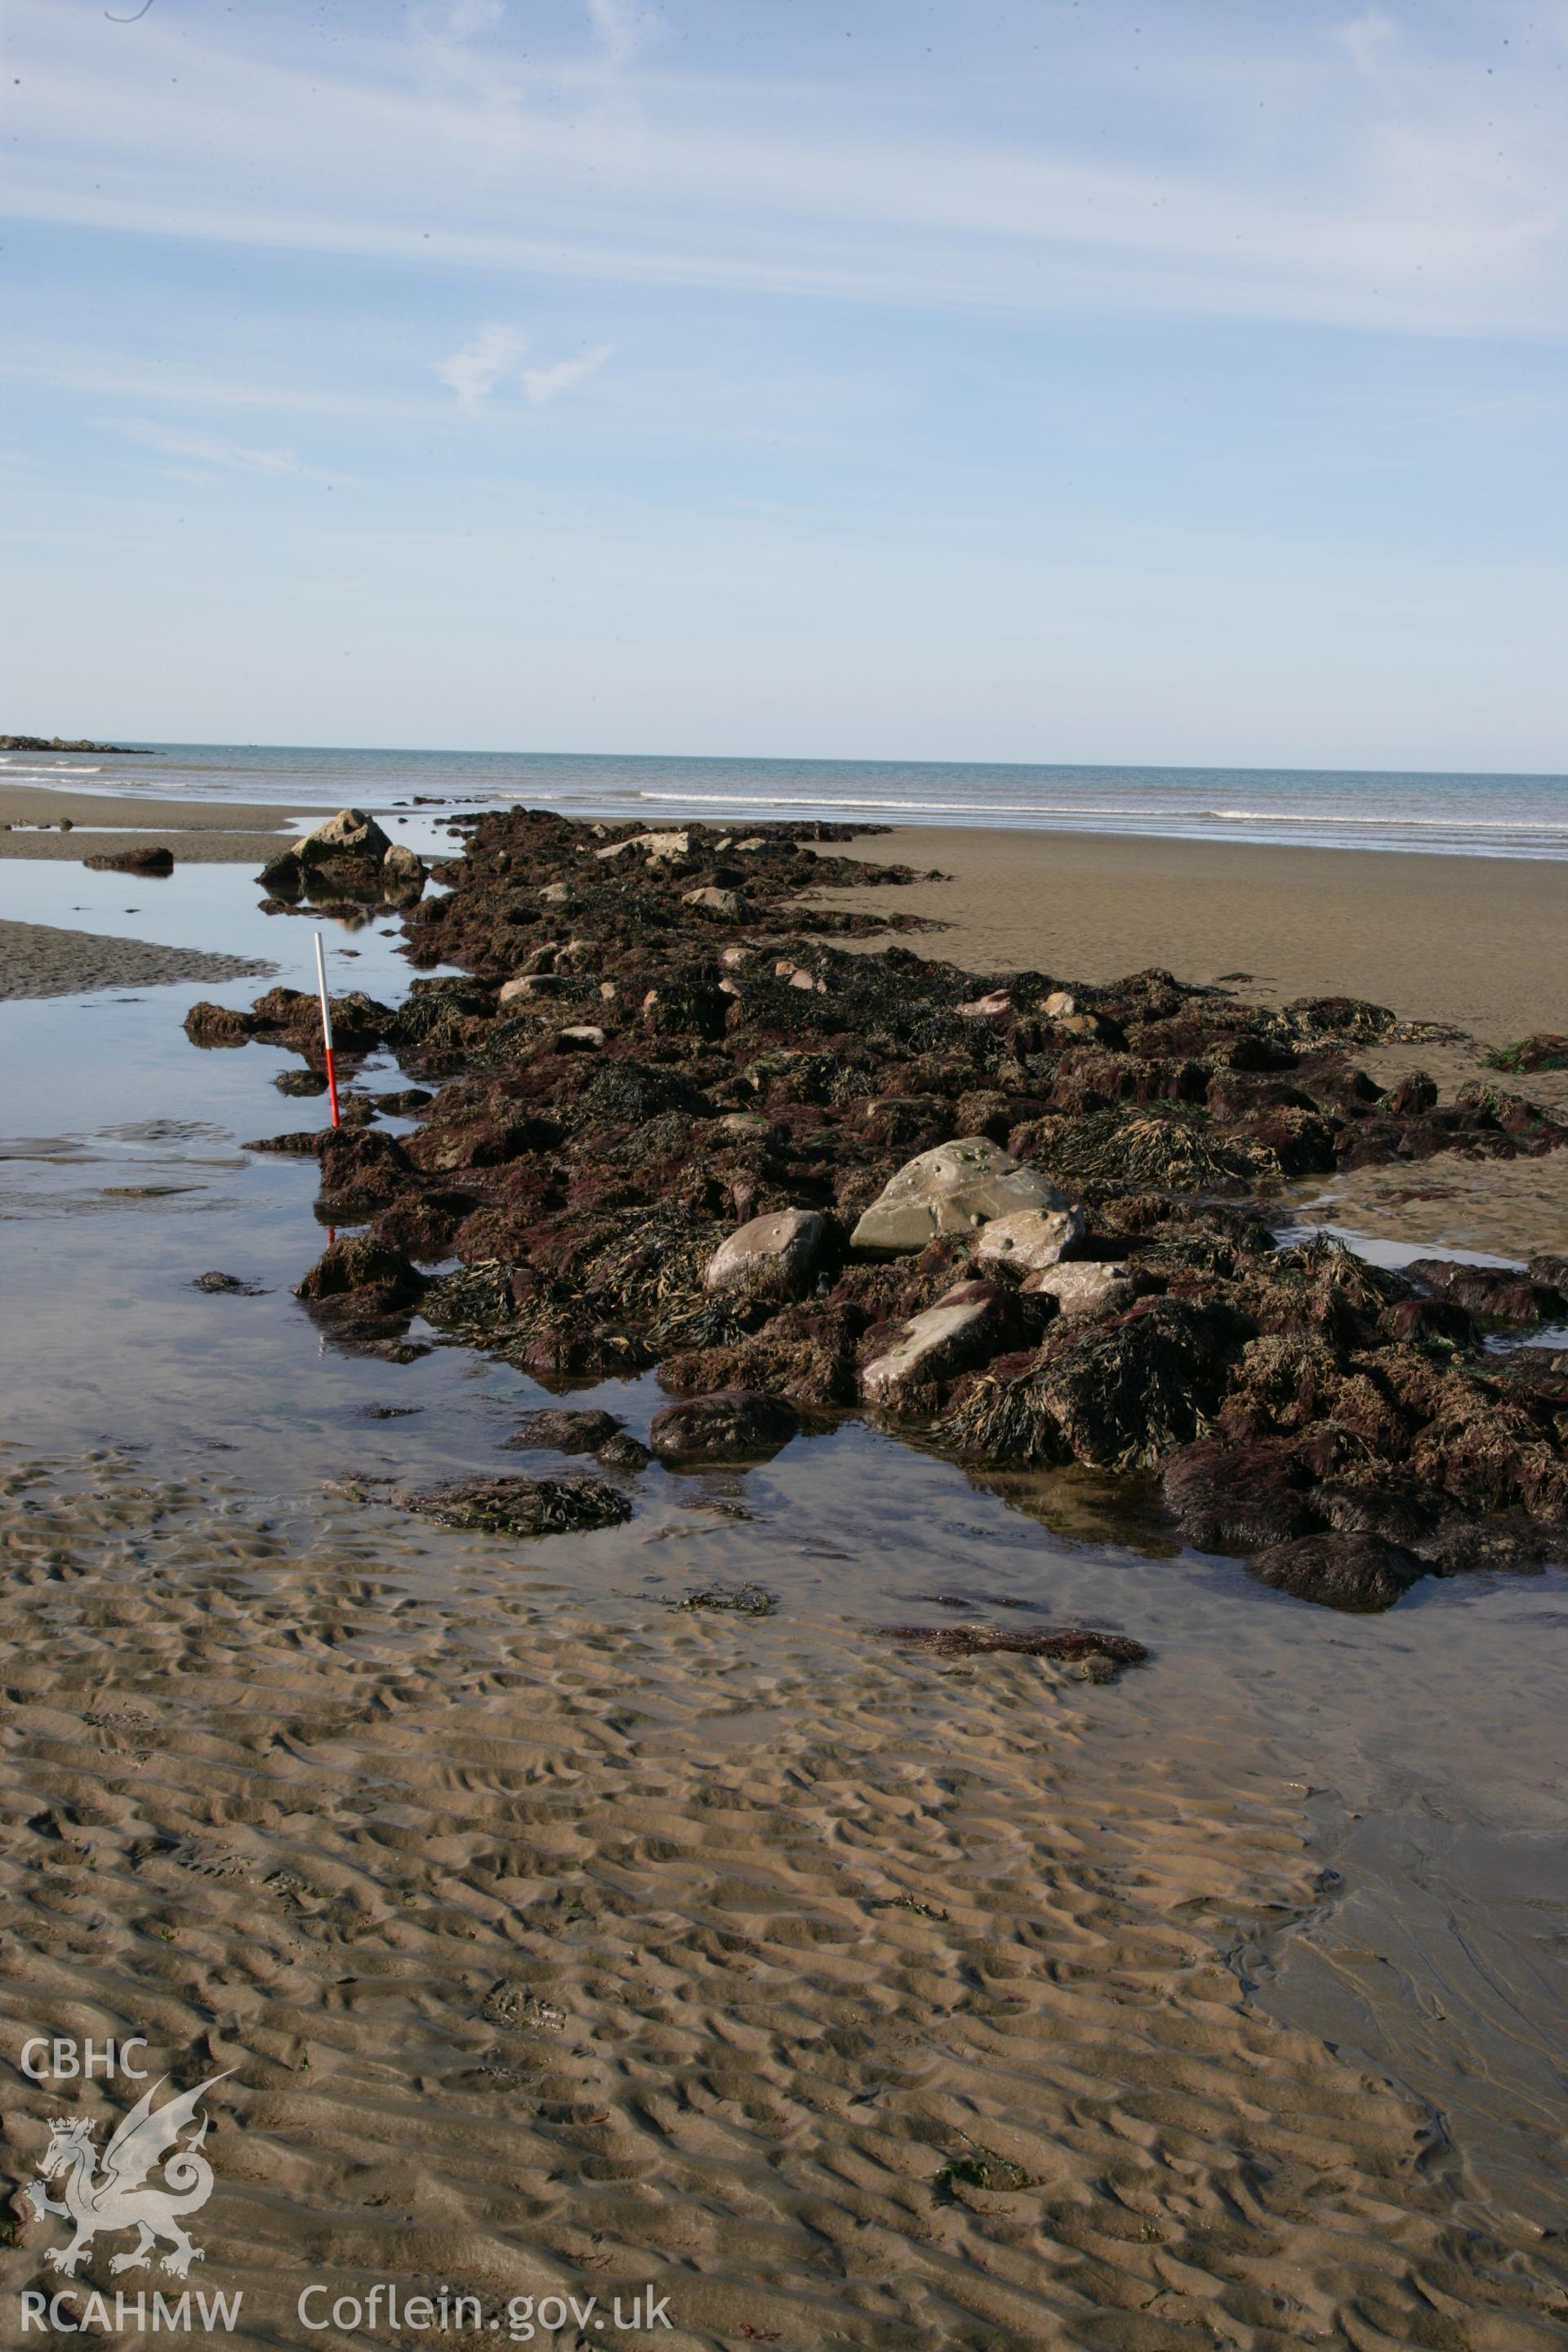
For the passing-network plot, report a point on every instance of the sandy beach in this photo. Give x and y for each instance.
(1477, 942)
(845, 1998)
(558, 1933)
(206, 834)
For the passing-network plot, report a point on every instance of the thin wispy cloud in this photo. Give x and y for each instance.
(209, 450)
(1376, 169)
(621, 30)
(543, 384)
(474, 372)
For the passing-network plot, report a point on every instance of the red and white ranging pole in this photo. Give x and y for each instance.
(327, 1028)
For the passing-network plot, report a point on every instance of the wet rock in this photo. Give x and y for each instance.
(729, 904)
(772, 1257)
(531, 984)
(1340, 1016)
(1542, 1052)
(346, 854)
(564, 1430)
(1414, 1096)
(360, 1282)
(229, 1285)
(401, 875)
(1030, 1239)
(363, 1170)
(153, 862)
(217, 1024)
(1498, 1296)
(1352, 1572)
(296, 1143)
(622, 1453)
(520, 1506)
(1095, 1287)
(954, 1189)
(966, 1326)
(1116, 1395)
(1071, 1644)
(729, 1426)
(1240, 1497)
(741, 1599)
(301, 1082)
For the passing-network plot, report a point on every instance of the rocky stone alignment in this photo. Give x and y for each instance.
(674, 1125)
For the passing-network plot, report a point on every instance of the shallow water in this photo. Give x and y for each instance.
(1425, 1749)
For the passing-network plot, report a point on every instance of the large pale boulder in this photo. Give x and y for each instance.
(953, 1190)
(772, 1257)
(649, 845)
(1030, 1239)
(964, 1328)
(350, 834)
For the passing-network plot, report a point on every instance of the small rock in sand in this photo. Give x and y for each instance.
(520, 1506)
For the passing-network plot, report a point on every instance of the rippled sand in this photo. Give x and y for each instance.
(559, 1942)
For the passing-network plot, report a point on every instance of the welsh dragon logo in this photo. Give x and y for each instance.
(119, 2196)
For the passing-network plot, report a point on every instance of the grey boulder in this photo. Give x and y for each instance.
(772, 1257)
(954, 1190)
(1030, 1239)
(1088, 1289)
(966, 1326)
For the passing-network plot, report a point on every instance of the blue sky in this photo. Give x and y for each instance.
(1011, 380)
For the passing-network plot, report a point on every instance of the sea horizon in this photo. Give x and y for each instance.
(1454, 813)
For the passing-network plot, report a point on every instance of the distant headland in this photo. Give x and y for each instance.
(58, 743)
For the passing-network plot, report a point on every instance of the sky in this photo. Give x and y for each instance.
(1022, 380)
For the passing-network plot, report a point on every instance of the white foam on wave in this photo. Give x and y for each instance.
(1522, 828)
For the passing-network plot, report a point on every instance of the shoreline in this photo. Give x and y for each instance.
(1473, 941)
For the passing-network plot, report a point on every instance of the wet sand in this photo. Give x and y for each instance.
(100, 823)
(41, 960)
(565, 1940)
(1481, 942)
(557, 1948)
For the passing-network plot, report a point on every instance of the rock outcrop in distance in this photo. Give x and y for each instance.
(1029, 1221)
(58, 743)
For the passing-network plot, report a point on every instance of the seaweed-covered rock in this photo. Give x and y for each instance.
(152, 864)
(1354, 1572)
(1117, 1395)
(1241, 1498)
(563, 1429)
(520, 1506)
(730, 1425)
(1072, 1644)
(362, 1283)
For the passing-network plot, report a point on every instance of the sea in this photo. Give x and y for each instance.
(1453, 815)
